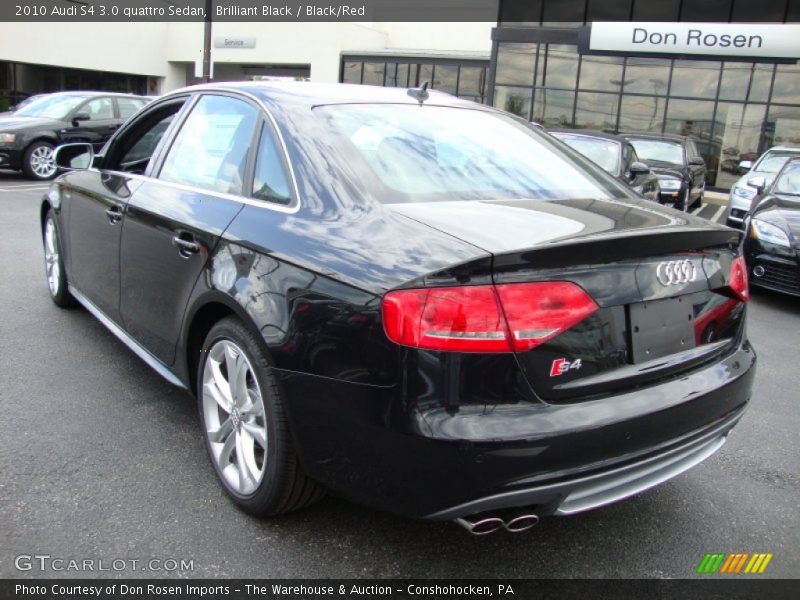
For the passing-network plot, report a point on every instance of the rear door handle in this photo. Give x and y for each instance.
(114, 214)
(186, 245)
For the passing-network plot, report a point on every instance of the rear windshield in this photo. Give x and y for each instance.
(600, 151)
(660, 151)
(408, 153)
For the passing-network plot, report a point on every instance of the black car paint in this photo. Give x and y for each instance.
(691, 176)
(410, 431)
(781, 264)
(58, 131)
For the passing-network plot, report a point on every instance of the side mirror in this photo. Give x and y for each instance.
(759, 183)
(81, 116)
(697, 161)
(639, 168)
(746, 165)
(74, 157)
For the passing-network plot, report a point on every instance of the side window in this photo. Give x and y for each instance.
(210, 150)
(128, 107)
(138, 155)
(99, 109)
(691, 150)
(132, 150)
(627, 157)
(269, 180)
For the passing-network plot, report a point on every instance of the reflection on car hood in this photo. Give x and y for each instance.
(14, 123)
(502, 226)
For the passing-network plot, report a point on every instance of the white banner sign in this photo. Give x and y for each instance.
(715, 39)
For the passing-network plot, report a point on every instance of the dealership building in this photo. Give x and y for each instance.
(722, 71)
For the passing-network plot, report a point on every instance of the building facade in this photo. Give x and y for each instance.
(462, 74)
(734, 107)
(154, 58)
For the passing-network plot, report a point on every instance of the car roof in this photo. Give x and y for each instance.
(589, 133)
(89, 94)
(316, 94)
(670, 137)
(792, 149)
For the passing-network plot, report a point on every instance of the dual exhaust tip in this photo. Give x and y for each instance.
(489, 523)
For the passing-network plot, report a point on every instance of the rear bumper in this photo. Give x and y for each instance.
(582, 493)
(420, 457)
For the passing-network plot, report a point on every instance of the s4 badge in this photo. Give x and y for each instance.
(562, 365)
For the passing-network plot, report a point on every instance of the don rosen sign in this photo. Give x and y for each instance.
(741, 40)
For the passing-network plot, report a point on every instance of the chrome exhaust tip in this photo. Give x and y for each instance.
(521, 523)
(482, 526)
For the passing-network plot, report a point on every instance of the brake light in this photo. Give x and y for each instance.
(737, 280)
(537, 312)
(484, 318)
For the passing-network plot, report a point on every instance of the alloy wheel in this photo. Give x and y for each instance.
(51, 256)
(235, 420)
(42, 161)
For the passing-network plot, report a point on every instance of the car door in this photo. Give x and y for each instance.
(698, 172)
(97, 199)
(176, 217)
(93, 121)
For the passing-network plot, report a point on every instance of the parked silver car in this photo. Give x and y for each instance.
(767, 166)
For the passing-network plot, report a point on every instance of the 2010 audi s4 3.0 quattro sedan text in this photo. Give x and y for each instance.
(416, 302)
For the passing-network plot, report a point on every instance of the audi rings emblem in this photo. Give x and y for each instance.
(676, 272)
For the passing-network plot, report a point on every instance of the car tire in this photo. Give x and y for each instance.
(38, 161)
(245, 425)
(701, 198)
(54, 263)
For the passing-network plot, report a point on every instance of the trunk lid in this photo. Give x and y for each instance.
(658, 276)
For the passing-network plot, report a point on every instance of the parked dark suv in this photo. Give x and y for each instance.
(676, 161)
(29, 135)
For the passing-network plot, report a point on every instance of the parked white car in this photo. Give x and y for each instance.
(766, 167)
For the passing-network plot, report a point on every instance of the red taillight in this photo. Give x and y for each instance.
(484, 318)
(737, 280)
(537, 312)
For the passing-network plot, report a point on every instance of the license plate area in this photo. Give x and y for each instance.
(660, 327)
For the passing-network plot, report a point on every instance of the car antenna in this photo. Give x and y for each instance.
(419, 94)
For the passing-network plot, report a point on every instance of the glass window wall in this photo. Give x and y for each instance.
(733, 109)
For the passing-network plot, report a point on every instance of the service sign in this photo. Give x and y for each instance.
(741, 40)
(236, 42)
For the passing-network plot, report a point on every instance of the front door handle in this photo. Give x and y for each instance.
(186, 245)
(114, 214)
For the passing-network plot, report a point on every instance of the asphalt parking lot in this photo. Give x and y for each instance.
(102, 459)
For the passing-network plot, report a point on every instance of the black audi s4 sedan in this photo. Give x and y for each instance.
(419, 303)
(772, 249)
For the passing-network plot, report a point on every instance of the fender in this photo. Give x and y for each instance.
(309, 323)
